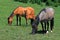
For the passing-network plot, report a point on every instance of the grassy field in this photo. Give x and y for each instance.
(22, 32)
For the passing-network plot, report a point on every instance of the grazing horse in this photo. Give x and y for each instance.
(21, 12)
(45, 16)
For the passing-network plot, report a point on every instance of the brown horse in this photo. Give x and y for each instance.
(27, 12)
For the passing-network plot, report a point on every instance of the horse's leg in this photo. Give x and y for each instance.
(47, 26)
(17, 19)
(26, 22)
(20, 21)
(42, 26)
(51, 24)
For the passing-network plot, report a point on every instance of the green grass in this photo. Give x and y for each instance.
(22, 32)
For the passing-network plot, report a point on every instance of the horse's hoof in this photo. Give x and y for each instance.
(9, 24)
(16, 25)
(51, 31)
(19, 25)
(33, 33)
(47, 32)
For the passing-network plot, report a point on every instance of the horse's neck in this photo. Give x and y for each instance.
(12, 15)
(37, 20)
(42, 15)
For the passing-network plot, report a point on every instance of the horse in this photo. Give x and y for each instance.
(21, 12)
(45, 16)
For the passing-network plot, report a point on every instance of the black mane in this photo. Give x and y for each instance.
(42, 10)
(12, 14)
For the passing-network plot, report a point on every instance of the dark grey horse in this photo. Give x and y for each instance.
(45, 16)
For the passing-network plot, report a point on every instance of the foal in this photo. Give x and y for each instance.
(44, 16)
(27, 12)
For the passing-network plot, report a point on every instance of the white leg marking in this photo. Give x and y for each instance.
(47, 32)
(51, 31)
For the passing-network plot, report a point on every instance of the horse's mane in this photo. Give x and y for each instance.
(42, 10)
(37, 20)
(12, 14)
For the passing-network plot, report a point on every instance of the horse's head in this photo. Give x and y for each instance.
(9, 20)
(34, 24)
(35, 19)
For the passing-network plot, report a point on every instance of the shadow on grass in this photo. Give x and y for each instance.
(40, 32)
(23, 25)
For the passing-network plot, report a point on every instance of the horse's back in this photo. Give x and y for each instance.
(29, 10)
(19, 10)
(46, 14)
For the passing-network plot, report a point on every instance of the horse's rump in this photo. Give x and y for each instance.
(29, 12)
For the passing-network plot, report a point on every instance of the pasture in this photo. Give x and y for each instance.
(14, 32)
